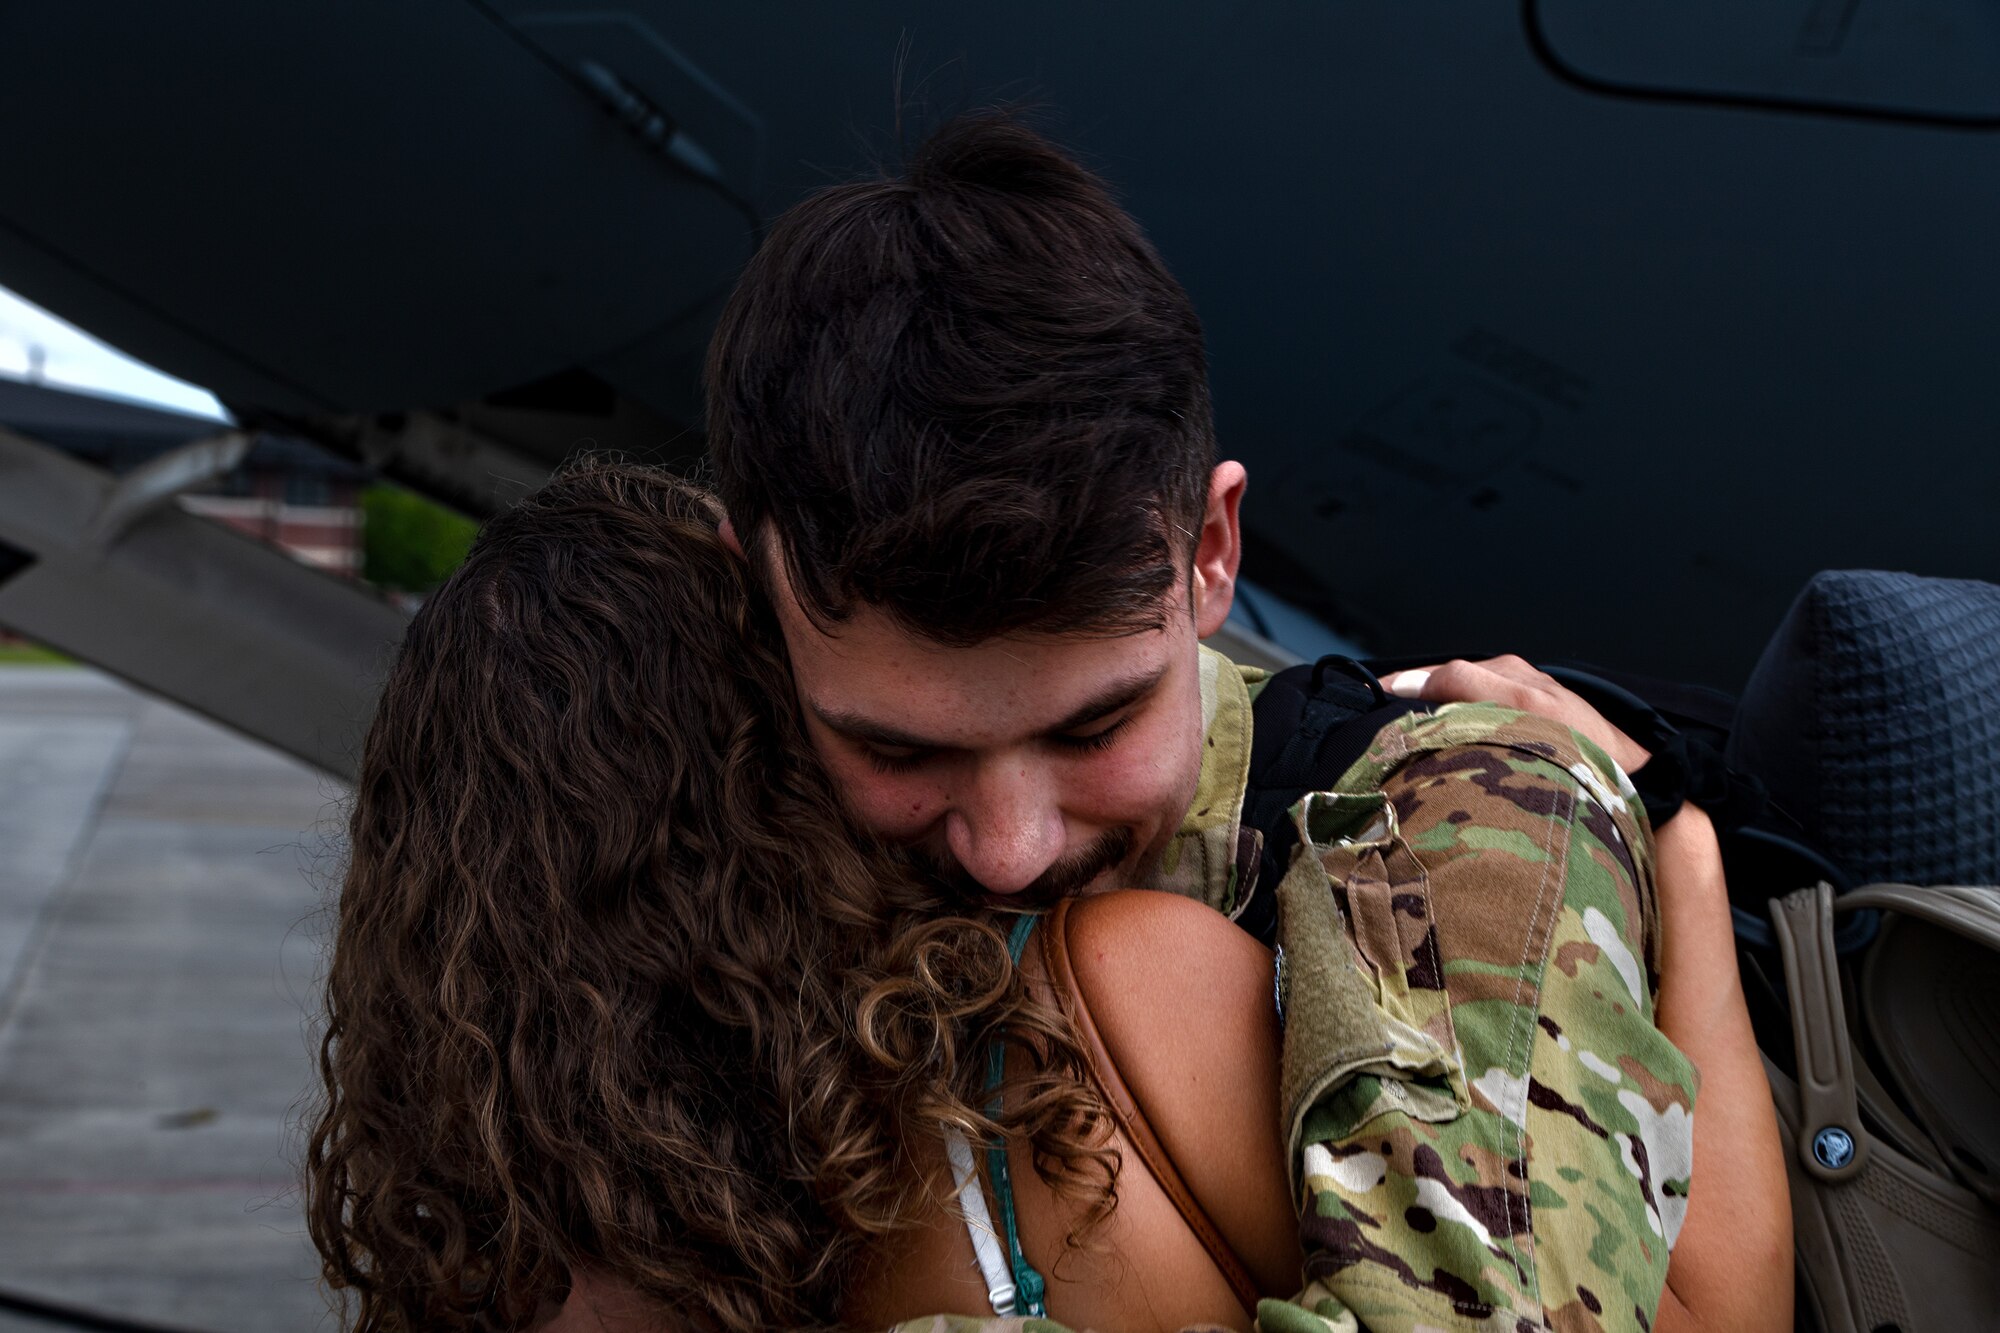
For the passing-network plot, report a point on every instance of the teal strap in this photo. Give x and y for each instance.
(1017, 939)
(1028, 1284)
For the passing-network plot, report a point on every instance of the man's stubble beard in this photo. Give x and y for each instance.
(1067, 878)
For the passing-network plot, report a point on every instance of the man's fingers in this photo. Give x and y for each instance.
(1514, 668)
(1408, 684)
(1512, 682)
(1518, 679)
(1508, 680)
(1460, 681)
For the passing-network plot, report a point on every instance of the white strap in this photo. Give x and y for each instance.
(979, 1223)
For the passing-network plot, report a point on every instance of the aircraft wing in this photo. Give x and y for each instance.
(1567, 329)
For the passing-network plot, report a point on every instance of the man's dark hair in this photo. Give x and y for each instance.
(973, 398)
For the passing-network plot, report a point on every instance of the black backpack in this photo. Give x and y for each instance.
(1311, 722)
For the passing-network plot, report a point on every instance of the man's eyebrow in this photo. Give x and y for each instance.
(856, 727)
(1119, 694)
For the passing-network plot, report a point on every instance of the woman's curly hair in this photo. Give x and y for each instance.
(616, 984)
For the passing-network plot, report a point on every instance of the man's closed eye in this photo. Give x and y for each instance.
(1096, 740)
(897, 758)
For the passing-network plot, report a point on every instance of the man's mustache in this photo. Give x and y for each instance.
(1065, 879)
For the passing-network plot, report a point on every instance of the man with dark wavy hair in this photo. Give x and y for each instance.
(960, 422)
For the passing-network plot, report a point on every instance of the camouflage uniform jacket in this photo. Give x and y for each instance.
(1486, 1128)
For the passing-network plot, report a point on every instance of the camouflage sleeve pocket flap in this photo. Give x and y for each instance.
(1346, 1059)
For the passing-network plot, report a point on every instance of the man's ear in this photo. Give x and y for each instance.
(728, 534)
(1219, 548)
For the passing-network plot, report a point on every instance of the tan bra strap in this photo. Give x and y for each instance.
(1125, 1110)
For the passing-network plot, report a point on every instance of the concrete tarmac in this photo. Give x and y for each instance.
(162, 888)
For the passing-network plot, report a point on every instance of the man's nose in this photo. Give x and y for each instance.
(1006, 828)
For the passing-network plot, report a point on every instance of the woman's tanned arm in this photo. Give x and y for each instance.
(1732, 1266)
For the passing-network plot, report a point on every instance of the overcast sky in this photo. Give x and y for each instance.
(72, 359)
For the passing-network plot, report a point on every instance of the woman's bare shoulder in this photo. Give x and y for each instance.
(1182, 1000)
(1138, 950)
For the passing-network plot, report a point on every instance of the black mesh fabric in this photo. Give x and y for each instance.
(1874, 718)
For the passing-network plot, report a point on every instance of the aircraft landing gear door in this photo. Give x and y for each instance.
(366, 207)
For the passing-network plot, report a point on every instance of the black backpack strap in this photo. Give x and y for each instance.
(1684, 728)
(1310, 723)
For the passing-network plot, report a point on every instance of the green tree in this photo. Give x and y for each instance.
(408, 543)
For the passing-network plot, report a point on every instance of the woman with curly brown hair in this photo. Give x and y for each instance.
(615, 984)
